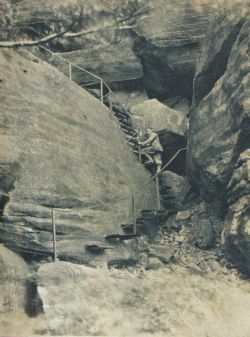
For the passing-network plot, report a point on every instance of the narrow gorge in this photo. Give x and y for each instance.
(93, 242)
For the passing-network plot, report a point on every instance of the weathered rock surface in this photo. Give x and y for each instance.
(61, 148)
(178, 220)
(178, 103)
(16, 297)
(236, 233)
(168, 45)
(166, 39)
(100, 61)
(203, 229)
(222, 35)
(174, 190)
(220, 116)
(159, 117)
(13, 278)
(78, 300)
(131, 97)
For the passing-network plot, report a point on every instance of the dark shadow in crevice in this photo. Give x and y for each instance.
(204, 81)
(34, 304)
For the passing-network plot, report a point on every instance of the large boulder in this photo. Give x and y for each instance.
(158, 116)
(236, 233)
(220, 116)
(205, 226)
(79, 300)
(178, 103)
(61, 149)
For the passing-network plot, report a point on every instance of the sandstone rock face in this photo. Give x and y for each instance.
(61, 148)
(162, 48)
(204, 226)
(220, 116)
(17, 298)
(100, 61)
(168, 46)
(216, 51)
(236, 233)
(14, 270)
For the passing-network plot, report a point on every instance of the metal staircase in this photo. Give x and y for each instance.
(139, 225)
(103, 92)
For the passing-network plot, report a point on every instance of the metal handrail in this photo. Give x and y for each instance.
(131, 197)
(101, 81)
(73, 64)
(158, 173)
(139, 189)
(114, 201)
(89, 73)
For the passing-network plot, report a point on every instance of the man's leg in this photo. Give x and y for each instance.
(144, 153)
(158, 161)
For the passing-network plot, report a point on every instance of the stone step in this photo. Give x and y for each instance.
(139, 221)
(97, 247)
(122, 263)
(127, 228)
(121, 237)
(152, 211)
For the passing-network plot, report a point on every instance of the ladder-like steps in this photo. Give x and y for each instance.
(121, 114)
(128, 132)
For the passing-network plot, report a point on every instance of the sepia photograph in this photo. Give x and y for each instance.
(125, 168)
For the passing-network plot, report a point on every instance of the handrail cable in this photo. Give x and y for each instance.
(73, 64)
(136, 191)
(89, 73)
(84, 70)
(112, 93)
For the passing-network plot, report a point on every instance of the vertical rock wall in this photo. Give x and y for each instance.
(219, 136)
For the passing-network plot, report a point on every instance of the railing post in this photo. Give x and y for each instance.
(133, 214)
(139, 147)
(110, 103)
(158, 197)
(102, 91)
(139, 153)
(70, 71)
(54, 235)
